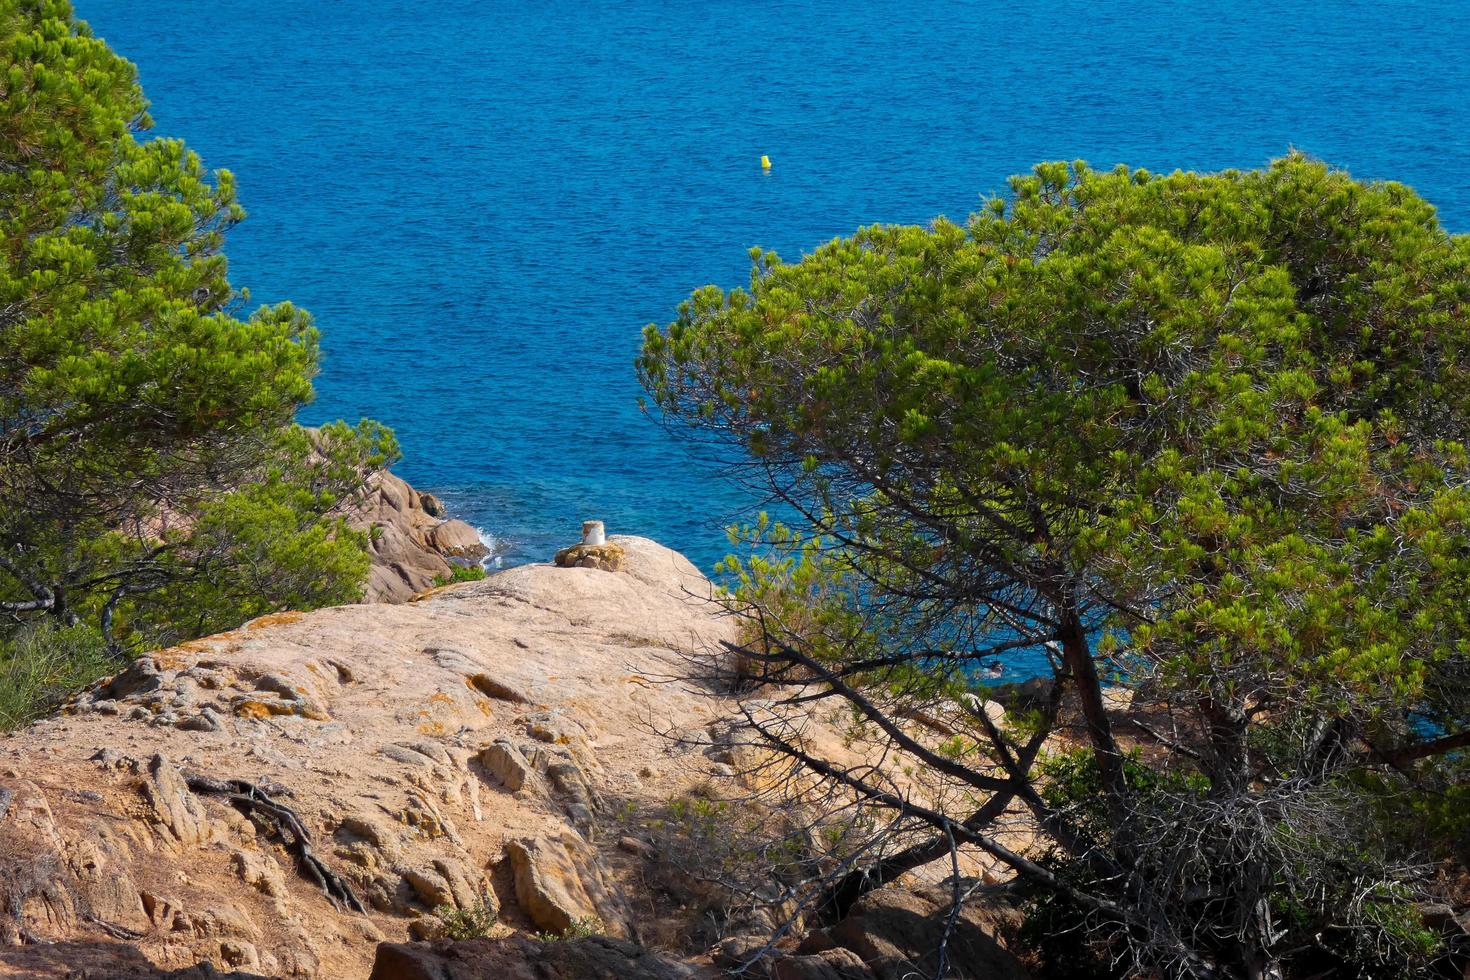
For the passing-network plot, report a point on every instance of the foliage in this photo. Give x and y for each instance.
(1203, 433)
(462, 573)
(723, 856)
(152, 482)
(1439, 814)
(42, 664)
(579, 929)
(468, 923)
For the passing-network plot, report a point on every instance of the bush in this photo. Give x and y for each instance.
(43, 665)
(579, 929)
(470, 923)
(461, 573)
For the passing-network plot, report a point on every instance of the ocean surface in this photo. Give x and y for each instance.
(484, 203)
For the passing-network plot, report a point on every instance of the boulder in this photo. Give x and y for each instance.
(521, 958)
(560, 886)
(1117, 699)
(174, 805)
(430, 887)
(994, 711)
(608, 557)
(830, 964)
(896, 933)
(457, 540)
(506, 764)
(748, 953)
(260, 871)
(410, 544)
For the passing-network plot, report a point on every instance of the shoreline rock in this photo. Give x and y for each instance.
(411, 544)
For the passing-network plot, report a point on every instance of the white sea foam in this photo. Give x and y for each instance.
(494, 549)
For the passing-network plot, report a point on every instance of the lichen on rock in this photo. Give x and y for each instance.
(608, 557)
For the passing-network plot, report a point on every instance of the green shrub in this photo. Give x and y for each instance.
(579, 929)
(43, 665)
(470, 923)
(461, 573)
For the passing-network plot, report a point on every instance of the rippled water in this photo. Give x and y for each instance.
(483, 203)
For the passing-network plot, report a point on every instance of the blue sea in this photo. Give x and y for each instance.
(484, 203)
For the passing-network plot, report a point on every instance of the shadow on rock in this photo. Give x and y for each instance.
(100, 961)
(521, 958)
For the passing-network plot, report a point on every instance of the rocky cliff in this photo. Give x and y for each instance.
(301, 796)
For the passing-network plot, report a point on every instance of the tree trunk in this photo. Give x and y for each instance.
(1077, 655)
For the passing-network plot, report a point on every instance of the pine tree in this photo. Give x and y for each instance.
(153, 484)
(1205, 435)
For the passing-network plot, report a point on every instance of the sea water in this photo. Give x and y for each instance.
(483, 203)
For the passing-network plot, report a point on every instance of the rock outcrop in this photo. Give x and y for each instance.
(413, 547)
(560, 887)
(279, 799)
(337, 794)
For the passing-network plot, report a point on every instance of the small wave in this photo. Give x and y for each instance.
(494, 549)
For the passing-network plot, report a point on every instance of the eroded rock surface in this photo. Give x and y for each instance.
(465, 750)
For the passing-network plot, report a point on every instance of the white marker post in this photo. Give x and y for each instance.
(593, 533)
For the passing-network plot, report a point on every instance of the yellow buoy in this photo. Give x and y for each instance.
(765, 162)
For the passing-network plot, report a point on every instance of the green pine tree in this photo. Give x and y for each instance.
(1206, 433)
(153, 484)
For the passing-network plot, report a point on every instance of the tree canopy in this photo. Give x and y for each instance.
(1199, 435)
(152, 481)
